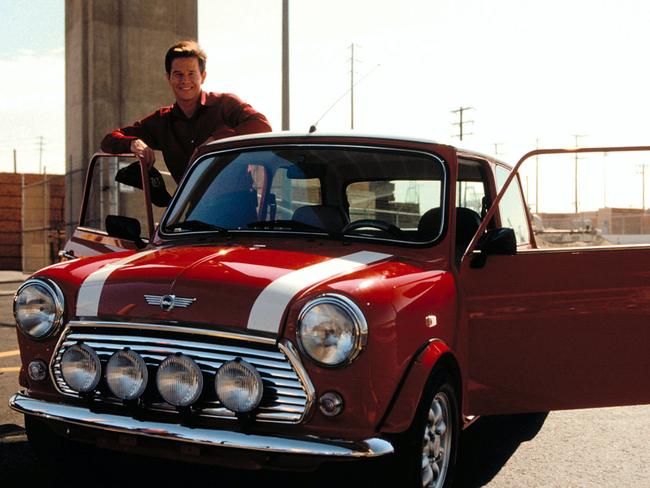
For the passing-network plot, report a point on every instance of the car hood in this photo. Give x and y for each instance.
(231, 287)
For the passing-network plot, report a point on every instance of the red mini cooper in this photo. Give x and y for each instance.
(307, 298)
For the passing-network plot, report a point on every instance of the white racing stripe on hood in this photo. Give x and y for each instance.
(92, 286)
(269, 306)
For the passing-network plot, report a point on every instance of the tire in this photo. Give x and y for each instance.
(426, 453)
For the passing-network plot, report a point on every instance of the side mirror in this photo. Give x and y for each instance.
(125, 228)
(494, 242)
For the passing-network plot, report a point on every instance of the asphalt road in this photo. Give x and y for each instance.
(587, 448)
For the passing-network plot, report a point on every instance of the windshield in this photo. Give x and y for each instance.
(337, 191)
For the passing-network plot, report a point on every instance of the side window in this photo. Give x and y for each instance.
(512, 209)
(108, 197)
(471, 187)
(589, 200)
(470, 195)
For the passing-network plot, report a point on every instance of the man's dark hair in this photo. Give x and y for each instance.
(185, 49)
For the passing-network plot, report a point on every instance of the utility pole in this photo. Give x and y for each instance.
(537, 177)
(642, 168)
(461, 123)
(577, 136)
(605, 180)
(643, 187)
(312, 129)
(15, 165)
(496, 148)
(352, 60)
(40, 144)
(285, 65)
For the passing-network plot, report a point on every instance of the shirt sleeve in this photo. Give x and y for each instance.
(119, 140)
(240, 118)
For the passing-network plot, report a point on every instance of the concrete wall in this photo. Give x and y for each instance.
(114, 73)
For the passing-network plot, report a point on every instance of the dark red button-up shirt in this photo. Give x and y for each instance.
(168, 130)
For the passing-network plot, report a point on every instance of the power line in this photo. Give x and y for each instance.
(352, 83)
(14, 139)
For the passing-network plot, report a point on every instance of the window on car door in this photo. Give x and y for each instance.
(561, 327)
(512, 208)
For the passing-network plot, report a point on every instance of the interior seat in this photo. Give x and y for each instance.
(467, 223)
(328, 217)
(429, 224)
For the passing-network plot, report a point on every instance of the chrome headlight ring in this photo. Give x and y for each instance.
(47, 288)
(308, 335)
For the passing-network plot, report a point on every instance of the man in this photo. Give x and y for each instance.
(196, 118)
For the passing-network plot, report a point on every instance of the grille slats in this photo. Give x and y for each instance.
(277, 417)
(289, 392)
(247, 351)
(285, 396)
(208, 357)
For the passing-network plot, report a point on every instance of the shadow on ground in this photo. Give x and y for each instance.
(103, 469)
(487, 445)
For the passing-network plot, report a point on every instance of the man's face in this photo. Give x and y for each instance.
(185, 79)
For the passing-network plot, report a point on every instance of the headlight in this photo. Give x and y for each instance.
(239, 386)
(332, 330)
(126, 374)
(81, 368)
(179, 380)
(38, 307)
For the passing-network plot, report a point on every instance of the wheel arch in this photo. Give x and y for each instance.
(434, 356)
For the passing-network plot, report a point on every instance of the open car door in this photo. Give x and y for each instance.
(562, 326)
(114, 215)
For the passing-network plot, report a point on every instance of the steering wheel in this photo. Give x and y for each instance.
(373, 224)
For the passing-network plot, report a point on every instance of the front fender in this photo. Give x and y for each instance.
(402, 408)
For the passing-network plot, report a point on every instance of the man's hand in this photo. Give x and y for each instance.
(143, 152)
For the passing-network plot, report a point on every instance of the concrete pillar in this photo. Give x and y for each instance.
(114, 73)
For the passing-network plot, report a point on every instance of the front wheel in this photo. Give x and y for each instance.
(426, 453)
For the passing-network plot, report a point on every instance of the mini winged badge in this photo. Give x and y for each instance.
(168, 302)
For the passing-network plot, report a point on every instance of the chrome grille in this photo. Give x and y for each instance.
(287, 391)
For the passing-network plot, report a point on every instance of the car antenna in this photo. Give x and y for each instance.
(312, 128)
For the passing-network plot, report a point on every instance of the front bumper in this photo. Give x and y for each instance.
(306, 445)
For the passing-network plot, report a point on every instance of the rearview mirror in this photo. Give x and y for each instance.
(494, 242)
(124, 228)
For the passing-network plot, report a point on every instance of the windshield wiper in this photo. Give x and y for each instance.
(284, 224)
(196, 225)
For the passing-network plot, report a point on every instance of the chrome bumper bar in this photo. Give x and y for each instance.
(306, 445)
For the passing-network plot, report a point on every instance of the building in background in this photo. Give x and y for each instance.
(114, 52)
(33, 225)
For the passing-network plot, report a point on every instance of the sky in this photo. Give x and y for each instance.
(534, 72)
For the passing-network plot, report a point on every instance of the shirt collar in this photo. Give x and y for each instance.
(177, 112)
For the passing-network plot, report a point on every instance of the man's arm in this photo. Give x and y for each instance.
(240, 118)
(138, 139)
